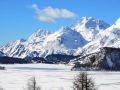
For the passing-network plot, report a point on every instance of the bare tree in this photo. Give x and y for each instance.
(32, 84)
(83, 82)
(1, 88)
(2, 68)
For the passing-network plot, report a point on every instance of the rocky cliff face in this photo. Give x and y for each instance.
(106, 59)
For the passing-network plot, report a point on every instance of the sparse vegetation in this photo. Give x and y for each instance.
(82, 81)
(1, 88)
(106, 59)
(2, 68)
(32, 84)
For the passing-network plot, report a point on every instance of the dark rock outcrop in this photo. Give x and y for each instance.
(107, 58)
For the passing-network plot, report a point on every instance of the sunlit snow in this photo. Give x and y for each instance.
(52, 77)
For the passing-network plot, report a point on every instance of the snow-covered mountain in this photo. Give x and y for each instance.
(38, 36)
(13, 47)
(84, 37)
(21, 48)
(89, 27)
(63, 41)
(107, 38)
(43, 43)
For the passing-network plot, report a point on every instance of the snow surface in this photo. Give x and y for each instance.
(52, 77)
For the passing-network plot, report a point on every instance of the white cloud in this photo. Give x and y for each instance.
(49, 14)
(46, 19)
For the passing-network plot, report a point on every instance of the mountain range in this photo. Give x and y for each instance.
(85, 36)
(109, 37)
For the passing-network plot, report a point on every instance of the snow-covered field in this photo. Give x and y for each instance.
(52, 77)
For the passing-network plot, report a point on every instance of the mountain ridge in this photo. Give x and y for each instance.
(89, 27)
(67, 40)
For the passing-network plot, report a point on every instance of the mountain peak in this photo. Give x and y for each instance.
(21, 40)
(107, 38)
(40, 32)
(83, 18)
(90, 18)
(38, 36)
(118, 20)
(65, 40)
(65, 29)
(89, 27)
(117, 23)
(90, 22)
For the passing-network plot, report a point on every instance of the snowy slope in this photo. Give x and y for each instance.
(65, 37)
(63, 41)
(42, 43)
(107, 38)
(21, 47)
(89, 27)
(38, 36)
(13, 48)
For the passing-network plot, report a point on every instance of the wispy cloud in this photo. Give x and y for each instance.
(49, 14)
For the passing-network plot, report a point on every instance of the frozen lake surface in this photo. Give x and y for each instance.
(52, 77)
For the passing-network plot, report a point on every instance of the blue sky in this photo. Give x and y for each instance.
(20, 18)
